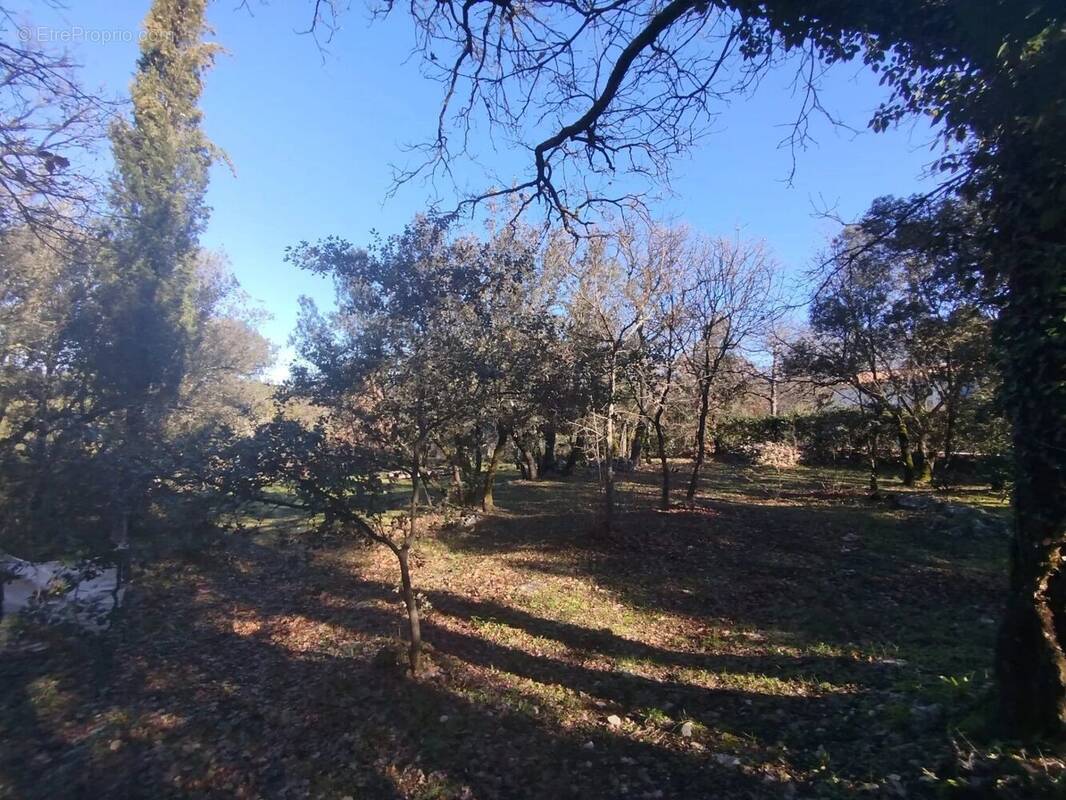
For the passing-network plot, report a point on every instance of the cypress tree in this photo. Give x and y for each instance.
(162, 162)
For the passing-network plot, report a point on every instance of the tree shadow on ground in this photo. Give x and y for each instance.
(198, 704)
(836, 570)
(260, 674)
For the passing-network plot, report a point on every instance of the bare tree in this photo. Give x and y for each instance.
(732, 300)
(770, 382)
(616, 280)
(654, 375)
(48, 125)
(592, 90)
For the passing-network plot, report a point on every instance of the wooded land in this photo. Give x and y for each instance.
(789, 638)
(553, 497)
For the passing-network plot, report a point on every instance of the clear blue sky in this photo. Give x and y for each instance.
(311, 138)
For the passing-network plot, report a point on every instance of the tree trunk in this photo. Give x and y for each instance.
(547, 461)
(458, 487)
(402, 554)
(527, 458)
(701, 440)
(773, 384)
(466, 469)
(128, 493)
(638, 442)
(1031, 655)
(416, 472)
(414, 627)
(422, 486)
(925, 460)
(906, 457)
(608, 473)
(872, 452)
(577, 445)
(949, 439)
(503, 433)
(532, 465)
(660, 440)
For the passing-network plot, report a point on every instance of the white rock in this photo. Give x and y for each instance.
(614, 721)
(83, 594)
(687, 729)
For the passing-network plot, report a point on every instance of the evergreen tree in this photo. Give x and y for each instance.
(162, 160)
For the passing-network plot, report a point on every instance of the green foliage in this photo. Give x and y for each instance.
(896, 332)
(162, 160)
(44, 393)
(323, 474)
(442, 338)
(128, 356)
(823, 437)
(397, 340)
(841, 436)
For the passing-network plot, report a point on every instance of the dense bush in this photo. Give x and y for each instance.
(841, 436)
(833, 436)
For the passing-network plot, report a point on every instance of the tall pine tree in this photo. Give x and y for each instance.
(162, 161)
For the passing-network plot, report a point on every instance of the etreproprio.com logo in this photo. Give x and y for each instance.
(77, 35)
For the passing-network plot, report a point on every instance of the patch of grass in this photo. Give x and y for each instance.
(636, 666)
(47, 696)
(759, 683)
(655, 717)
(511, 636)
(558, 605)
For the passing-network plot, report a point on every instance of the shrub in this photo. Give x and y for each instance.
(831, 436)
(841, 436)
